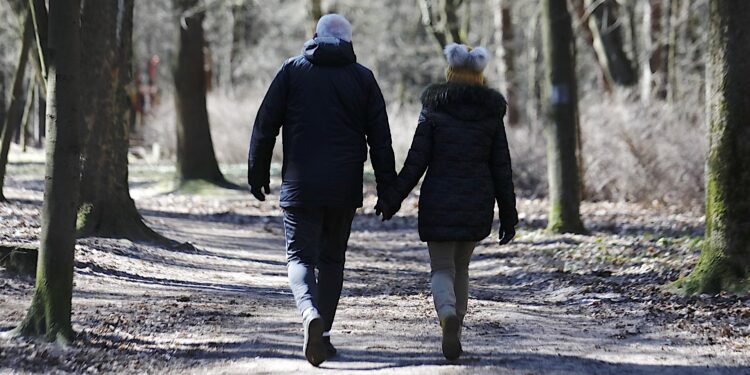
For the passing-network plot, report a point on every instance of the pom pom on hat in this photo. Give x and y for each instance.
(466, 64)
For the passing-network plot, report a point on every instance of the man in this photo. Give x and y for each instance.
(331, 109)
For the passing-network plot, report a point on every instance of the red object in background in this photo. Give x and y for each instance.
(153, 90)
(153, 63)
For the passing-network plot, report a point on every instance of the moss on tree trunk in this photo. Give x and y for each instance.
(725, 260)
(561, 129)
(49, 314)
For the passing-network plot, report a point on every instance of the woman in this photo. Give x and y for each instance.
(460, 141)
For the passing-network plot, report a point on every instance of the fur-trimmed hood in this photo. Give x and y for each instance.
(464, 101)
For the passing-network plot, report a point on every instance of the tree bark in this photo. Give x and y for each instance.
(561, 129)
(3, 114)
(40, 19)
(680, 17)
(241, 32)
(452, 23)
(106, 208)
(608, 42)
(314, 11)
(27, 115)
(41, 118)
(431, 25)
(630, 8)
(196, 159)
(49, 314)
(647, 34)
(505, 53)
(15, 108)
(442, 21)
(725, 260)
(583, 16)
(533, 87)
(662, 56)
(671, 70)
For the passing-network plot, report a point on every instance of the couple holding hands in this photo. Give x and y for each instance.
(331, 110)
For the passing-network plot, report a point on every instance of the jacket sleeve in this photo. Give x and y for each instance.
(416, 163)
(502, 177)
(378, 133)
(265, 130)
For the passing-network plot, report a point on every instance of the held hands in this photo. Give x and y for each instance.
(507, 232)
(382, 208)
(257, 192)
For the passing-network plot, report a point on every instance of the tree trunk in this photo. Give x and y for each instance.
(608, 41)
(40, 19)
(725, 260)
(505, 53)
(431, 25)
(630, 8)
(49, 314)
(106, 208)
(442, 22)
(588, 35)
(41, 118)
(678, 26)
(674, 22)
(241, 32)
(3, 114)
(452, 23)
(27, 115)
(196, 159)
(15, 108)
(647, 34)
(561, 129)
(662, 51)
(315, 11)
(532, 73)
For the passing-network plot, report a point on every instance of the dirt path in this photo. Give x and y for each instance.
(543, 305)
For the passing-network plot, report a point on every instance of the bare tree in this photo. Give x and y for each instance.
(505, 53)
(196, 159)
(15, 108)
(49, 314)
(561, 129)
(440, 19)
(606, 29)
(725, 260)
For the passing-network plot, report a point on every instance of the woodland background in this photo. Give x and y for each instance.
(643, 132)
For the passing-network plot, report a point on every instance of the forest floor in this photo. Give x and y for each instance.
(545, 304)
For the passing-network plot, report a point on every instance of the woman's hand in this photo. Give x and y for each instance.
(507, 232)
(382, 208)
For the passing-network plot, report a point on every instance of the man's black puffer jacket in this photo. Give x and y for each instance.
(460, 141)
(330, 109)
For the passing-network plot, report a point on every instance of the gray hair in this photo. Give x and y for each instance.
(334, 25)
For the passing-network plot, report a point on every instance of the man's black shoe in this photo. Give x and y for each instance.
(314, 348)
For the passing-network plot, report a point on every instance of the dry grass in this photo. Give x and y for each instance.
(632, 152)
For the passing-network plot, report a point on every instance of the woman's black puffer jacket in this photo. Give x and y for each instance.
(460, 141)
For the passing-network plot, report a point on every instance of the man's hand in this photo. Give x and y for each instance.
(257, 192)
(383, 209)
(507, 232)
